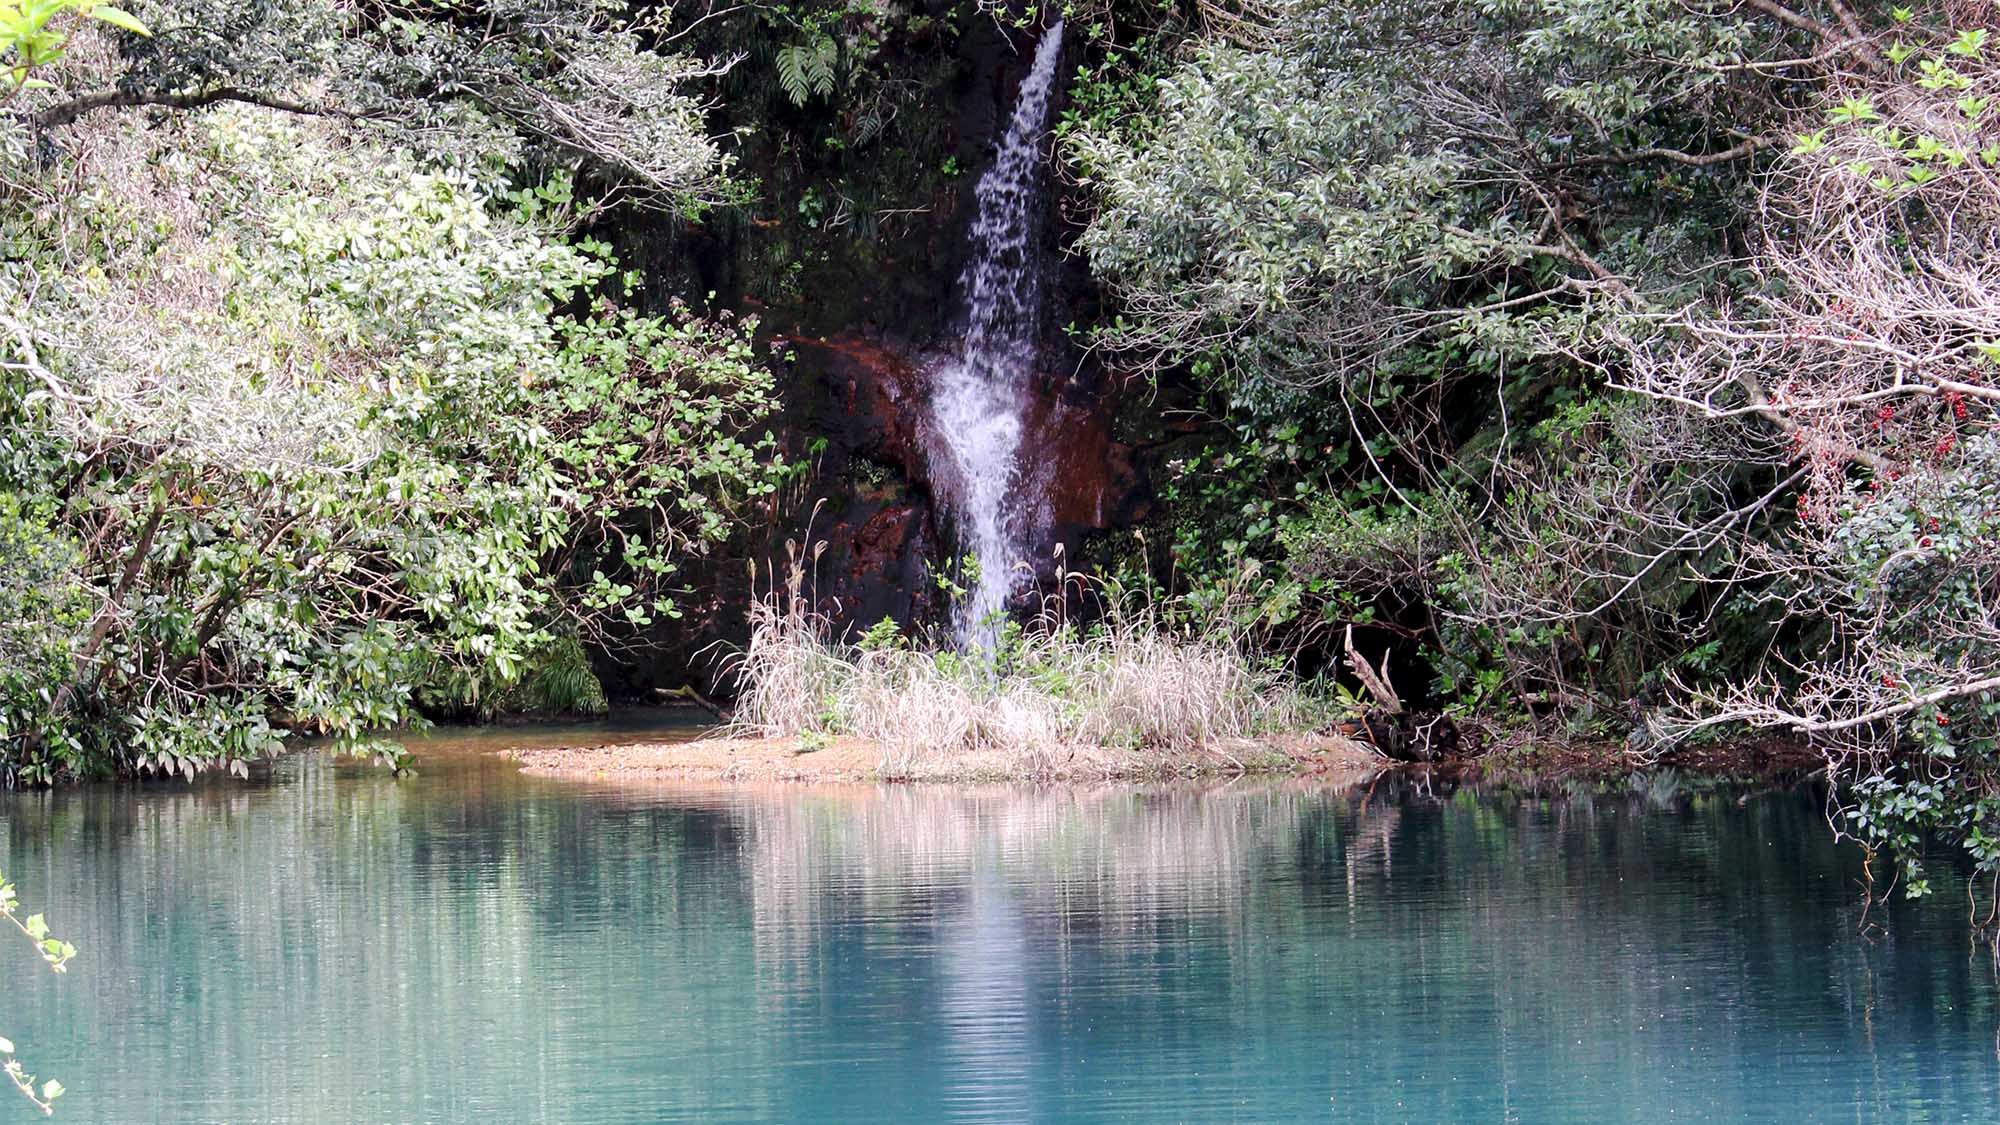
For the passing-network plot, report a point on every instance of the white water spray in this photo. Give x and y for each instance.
(981, 394)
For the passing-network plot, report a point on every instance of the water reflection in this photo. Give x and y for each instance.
(474, 945)
(984, 962)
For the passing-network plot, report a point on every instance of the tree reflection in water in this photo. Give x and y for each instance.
(470, 943)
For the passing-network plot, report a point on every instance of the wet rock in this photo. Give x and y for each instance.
(1083, 478)
(1077, 476)
(874, 395)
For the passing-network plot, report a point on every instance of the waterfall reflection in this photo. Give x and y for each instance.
(983, 957)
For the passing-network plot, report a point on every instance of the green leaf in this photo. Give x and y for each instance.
(118, 17)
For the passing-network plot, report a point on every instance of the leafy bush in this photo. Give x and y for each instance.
(43, 612)
(308, 414)
(563, 86)
(1664, 338)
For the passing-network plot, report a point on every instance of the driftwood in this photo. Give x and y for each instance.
(1375, 680)
(694, 695)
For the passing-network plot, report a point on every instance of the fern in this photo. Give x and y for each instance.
(805, 70)
(792, 75)
(564, 684)
(868, 127)
(559, 681)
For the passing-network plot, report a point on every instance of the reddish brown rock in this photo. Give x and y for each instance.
(877, 391)
(1076, 476)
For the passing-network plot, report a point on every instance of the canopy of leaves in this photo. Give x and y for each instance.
(577, 86)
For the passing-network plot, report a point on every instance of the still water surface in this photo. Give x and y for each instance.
(330, 944)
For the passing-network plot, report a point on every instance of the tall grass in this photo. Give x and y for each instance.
(1130, 681)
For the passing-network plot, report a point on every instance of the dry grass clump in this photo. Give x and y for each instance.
(1130, 682)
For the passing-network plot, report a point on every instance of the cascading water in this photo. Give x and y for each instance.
(980, 395)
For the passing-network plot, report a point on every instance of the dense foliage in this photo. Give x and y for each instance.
(1633, 357)
(480, 88)
(308, 429)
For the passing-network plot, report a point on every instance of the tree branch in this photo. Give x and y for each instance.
(63, 113)
(1777, 717)
(1691, 159)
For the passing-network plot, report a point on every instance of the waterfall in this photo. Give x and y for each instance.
(981, 393)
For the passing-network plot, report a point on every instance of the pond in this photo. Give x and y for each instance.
(332, 944)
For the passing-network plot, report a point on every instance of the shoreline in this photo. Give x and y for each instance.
(1536, 763)
(851, 759)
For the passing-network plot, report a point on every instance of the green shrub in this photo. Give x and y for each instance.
(305, 427)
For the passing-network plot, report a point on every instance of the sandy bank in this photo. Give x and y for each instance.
(855, 759)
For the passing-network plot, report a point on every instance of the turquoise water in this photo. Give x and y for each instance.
(329, 944)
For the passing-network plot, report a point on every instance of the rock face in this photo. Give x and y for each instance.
(1080, 477)
(1085, 477)
(861, 315)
